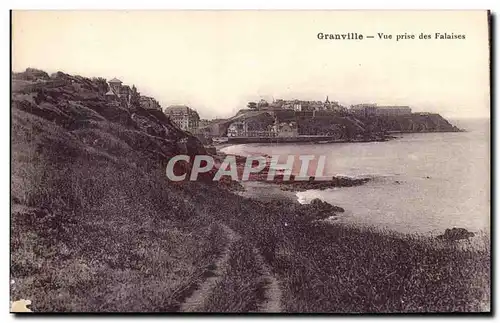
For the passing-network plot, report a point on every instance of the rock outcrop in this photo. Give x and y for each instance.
(318, 210)
(312, 184)
(456, 234)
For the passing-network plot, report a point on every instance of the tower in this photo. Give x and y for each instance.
(115, 85)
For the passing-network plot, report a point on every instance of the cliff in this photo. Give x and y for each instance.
(416, 122)
(78, 106)
(351, 126)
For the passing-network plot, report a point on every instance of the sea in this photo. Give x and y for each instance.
(420, 183)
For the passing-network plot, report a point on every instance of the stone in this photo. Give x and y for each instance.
(456, 234)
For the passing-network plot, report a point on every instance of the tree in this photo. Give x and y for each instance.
(252, 105)
(263, 104)
(102, 85)
(135, 98)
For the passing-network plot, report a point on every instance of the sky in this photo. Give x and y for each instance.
(217, 61)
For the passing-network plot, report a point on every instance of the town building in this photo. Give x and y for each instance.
(297, 105)
(371, 109)
(119, 92)
(264, 124)
(302, 105)
(237, 129)
(252, 124)
(335, 106)
(316, 106)
(185, 117)
(364, 109)
(277, 104)
(393, 110)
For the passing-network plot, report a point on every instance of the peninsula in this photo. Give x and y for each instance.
(311, 121)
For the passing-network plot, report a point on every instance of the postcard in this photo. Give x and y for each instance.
(266, 161)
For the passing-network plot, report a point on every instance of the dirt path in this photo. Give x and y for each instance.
(196, 302)
(272, 289)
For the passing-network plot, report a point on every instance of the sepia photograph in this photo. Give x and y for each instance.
(250, 161)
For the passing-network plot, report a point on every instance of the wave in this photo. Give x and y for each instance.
(306, 197)
(359, 176)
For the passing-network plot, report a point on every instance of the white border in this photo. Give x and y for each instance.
(249, 4)
(184, 4)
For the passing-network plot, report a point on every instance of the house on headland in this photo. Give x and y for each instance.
(185, 117)
(129, 97)
(115, 86)
(119, 92)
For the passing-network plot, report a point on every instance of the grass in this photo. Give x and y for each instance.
(92, 233)
(107, 248)
(345, 269)
(241, 289)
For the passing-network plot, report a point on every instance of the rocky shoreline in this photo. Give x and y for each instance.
(280, 191)
(292, 184)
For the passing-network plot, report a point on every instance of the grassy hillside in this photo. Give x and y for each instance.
(96, 226)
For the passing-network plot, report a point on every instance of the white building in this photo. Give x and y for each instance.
(185, 117)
